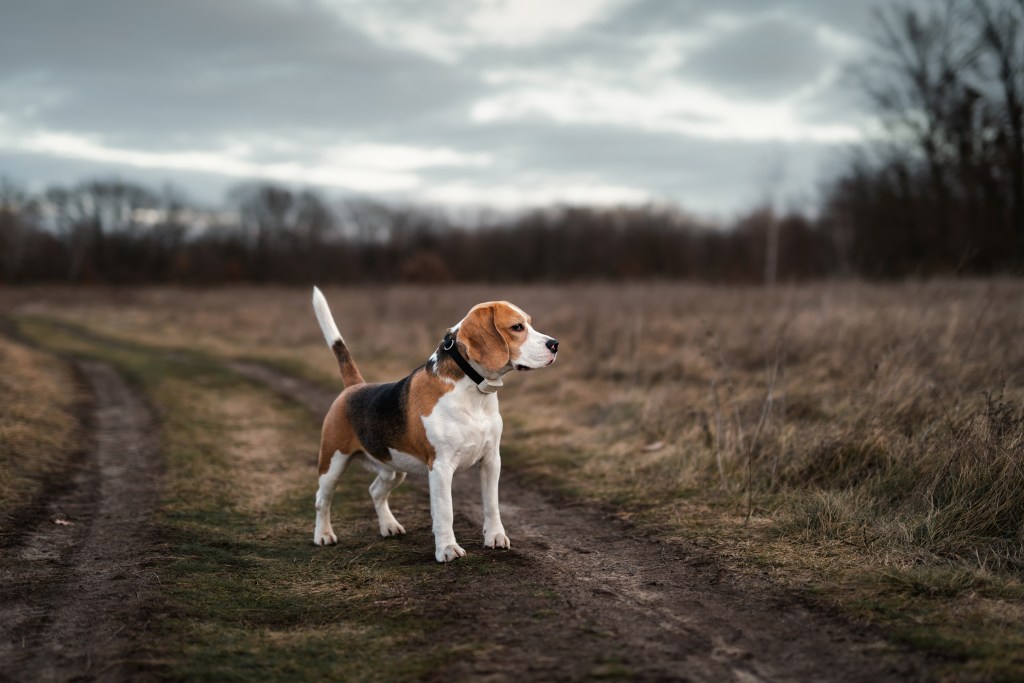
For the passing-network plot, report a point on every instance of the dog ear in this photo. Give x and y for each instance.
(485, 346)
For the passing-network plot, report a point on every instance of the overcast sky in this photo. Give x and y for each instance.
(710, 104)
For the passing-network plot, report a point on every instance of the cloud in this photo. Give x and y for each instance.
(766, 59)
(538, 191)
(362, 167)
(711, 176)
(653, 16)
(668, 106)
(447, 30)
(196, 70)
(452, 101)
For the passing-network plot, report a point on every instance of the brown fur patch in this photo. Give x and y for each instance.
(349, 372)
(488, 336)
(425, 391)
(337, 434)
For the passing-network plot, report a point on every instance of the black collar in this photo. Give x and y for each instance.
(451, 348)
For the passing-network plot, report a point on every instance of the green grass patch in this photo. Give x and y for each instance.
(246, 594)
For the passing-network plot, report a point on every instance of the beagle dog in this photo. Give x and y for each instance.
(440, 419)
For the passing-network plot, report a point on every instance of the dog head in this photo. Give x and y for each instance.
(499, 337)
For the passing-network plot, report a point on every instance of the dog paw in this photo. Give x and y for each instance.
(324, 537)
(391, 528)
(449, 553)
(496, 539)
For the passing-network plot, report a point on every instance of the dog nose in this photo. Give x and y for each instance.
(552, 345)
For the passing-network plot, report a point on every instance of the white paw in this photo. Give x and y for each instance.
(449, 553)
(324, 537)
(391, 528)
(496, 539)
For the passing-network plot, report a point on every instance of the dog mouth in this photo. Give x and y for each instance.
(526, 368)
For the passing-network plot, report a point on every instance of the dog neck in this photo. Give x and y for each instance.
(448, 353)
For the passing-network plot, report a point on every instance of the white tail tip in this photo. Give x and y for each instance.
(324, 317)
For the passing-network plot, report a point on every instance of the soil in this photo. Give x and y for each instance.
(591, 595)
(581, 594)
(76, 583)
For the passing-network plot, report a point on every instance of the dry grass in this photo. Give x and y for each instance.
(244, 594)
(262, 452)
(896, 409)
(39, 429)
(868, 440)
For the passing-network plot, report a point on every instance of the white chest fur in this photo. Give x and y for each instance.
(464, 426)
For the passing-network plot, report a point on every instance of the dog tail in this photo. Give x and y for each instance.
(349, 372)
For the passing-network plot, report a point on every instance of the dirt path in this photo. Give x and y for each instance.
(584, 594)
(75, 595)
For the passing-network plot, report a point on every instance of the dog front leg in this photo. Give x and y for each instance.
(445, 547)
(494, 532)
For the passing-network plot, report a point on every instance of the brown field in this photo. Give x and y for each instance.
(864, 443)
(38, 421)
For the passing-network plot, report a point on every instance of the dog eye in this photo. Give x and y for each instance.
(518, 327)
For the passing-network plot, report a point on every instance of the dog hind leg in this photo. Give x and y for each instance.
(323, 534)
(380, 489)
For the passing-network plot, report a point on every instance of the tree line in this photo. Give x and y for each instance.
(939, 190)
(119, 232)
(942, 188)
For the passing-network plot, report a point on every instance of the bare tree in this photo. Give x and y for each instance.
(19, 218)
(1001, 31)
(944, 188)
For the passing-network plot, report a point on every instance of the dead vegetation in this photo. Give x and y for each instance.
(243, 594)
(864, 439)
(40, 432)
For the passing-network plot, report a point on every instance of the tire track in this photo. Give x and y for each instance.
(629, 606)
(75, 588)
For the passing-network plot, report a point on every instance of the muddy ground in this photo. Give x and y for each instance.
(74, 597)
(652, 610)
(77, 582)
